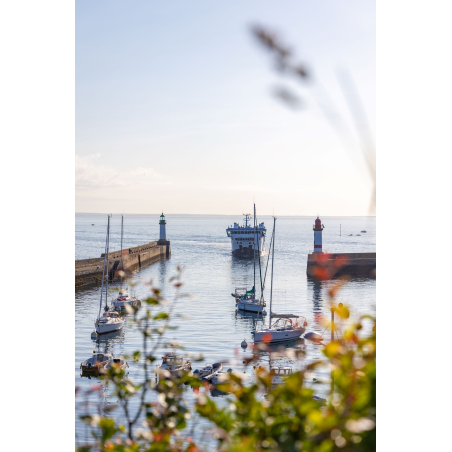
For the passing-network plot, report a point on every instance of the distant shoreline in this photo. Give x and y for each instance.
(224, 215)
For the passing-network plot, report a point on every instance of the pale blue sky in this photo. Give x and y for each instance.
(174, 110)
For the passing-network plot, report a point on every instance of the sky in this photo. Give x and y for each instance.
(176, 112)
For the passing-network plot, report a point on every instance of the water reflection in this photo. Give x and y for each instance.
(316, 288)
(251, 320)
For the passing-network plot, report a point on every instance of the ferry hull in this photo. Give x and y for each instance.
(246, 252)
(277, 336)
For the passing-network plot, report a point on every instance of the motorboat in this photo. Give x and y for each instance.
(97, 362)
(109, 321)
(125, 299)
(119, 363)
(287, 326)
(102, 361)
(279, 374)
(207, 370)
(175, 364)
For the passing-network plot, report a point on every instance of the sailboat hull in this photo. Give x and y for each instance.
(102, 328)
(271, 336)
(250, 307)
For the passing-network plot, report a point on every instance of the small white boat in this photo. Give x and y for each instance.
(174, 364)
(284, 329)
(208, 370)
(279, 374)
(251, 305)
(109, 321)
(125, 299)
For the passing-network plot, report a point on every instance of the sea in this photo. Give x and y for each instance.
(207, 324)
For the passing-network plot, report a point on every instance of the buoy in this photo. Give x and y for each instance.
(313, 336)
(244, 344)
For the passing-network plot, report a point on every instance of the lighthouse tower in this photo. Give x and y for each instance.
(318, 228)
(162, 224)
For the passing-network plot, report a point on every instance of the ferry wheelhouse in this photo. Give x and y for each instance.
(247, 240)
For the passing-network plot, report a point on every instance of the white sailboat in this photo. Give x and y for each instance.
(124, 298)
(109, 321)
(284, 329)
(248, 301)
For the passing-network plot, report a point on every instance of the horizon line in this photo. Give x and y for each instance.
(223, 214)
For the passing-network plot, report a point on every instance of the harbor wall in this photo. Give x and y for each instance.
(327, 266)
(89, 271)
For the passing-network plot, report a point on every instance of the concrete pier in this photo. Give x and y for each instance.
(89, 271)
(327, 266)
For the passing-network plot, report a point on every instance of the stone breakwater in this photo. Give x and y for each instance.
(326, 266)
(89, 271)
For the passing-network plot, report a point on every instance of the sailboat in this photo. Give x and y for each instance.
(248, 301)
(124, 297)
(284, 328)
(109, 321)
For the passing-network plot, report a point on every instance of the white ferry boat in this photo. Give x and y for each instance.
(247, 240)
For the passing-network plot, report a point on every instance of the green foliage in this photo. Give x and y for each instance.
(260, 416)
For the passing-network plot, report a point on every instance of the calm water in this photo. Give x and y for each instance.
(199, 244)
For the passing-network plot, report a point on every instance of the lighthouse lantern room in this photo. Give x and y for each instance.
(162, 224)
(318, 228)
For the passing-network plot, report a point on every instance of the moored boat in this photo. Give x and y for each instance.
(208, 370)
(279, 373)
(284, 329)
(101, 361)
(109, 321)
(173, 364)
(124, 298)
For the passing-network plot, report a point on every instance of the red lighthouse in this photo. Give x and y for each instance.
(318, 228)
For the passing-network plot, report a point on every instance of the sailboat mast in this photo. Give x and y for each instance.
(108, 252)
(271, 286)
(103, 274)
(122, 225)
(254, 251)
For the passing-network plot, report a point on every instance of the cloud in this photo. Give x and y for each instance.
(90, 174)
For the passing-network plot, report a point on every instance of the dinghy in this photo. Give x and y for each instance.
(207, 370)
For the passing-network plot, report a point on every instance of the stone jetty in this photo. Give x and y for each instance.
(89, 271)
(327, 266)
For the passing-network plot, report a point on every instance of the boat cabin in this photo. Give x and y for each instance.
(173, 360)
(281, 371)
(282, 324)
